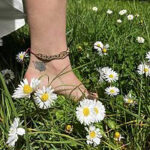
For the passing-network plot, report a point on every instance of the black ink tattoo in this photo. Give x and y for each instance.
(39, 65)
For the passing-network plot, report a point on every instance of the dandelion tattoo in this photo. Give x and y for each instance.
(39, 65)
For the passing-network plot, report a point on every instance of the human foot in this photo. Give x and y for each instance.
(59, 74)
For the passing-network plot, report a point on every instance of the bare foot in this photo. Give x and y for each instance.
(59, 74)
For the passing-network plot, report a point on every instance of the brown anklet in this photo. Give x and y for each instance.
(46, 58)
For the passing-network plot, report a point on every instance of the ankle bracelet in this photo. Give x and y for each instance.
(47, 58)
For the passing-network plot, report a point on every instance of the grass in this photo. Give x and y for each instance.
(46, 128)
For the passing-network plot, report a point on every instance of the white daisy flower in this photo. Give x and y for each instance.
(98, 45)
(144, 69)
(148, 56)
(102, 72)
(14, 131)
(109, 11)
(84, 112)
(25, 89)
(20, 56)
(103, 50)
(119, 21)
(112, 91)
(99, 110)
(45, 97)
(118, 136)
(94, 136)
(95, 9)
(111, 76)
(69, 128)
(101, 77)
(140, 39)
(130, 17)
(107, 74)
(129, 99)
(8, 75)
(35, 83)
(122, 12)
(1, 42)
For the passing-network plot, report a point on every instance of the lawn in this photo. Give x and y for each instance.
(126, 125)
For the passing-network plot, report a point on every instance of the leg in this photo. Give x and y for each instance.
(47, 22)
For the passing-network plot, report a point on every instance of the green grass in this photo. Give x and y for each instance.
(46, 128)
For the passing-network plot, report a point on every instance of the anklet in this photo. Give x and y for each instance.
(47, 58)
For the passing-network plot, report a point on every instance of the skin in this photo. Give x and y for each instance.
(47, 24)
(40, 66)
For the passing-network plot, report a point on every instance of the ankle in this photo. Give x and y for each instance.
(49, 48)
(61, 64)
(58, 64)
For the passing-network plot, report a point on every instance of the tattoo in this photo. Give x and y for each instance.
(39, 65)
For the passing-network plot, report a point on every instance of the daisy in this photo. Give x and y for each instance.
(69, 128)
(117, 136)
(94, 135)
(25, 89)
(119, 21)
(95, 9)
(8, 75)
(112, 91)
(84, 112)
(101, 77)
(130, 17)
(103, 50)
(122, 12)
(99, 111)
(106, 70)
(109, 11)
(14, 131)
(129, 99)
(20, 56)
(45, 97)
(143, 68)
(102, 72)
(98, 45)
(111, 76)
(140, 39)
(148, 56)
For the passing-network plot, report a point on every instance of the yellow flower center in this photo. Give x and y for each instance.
(27, 89)
(112, 91)
(130, 101)
(98, 45)
(21, 56)
(117, 135)
(104, 50)
(92, 134)
(86, 111)
(111, 76)
(69, 127)
(96, 110)
(146, 69)
(44, 97)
